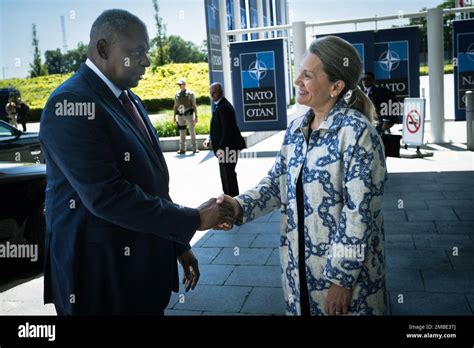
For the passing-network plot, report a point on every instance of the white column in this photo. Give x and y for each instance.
(247, 19)
(261, 35)
(274, 16)
(225, 50)
(237, 18)
(298, 37)
(269, 16)
(434, 20)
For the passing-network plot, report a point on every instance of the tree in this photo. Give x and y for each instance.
(158, 45)
(54, 61)
(181, 51)
(37, 68)
(58, 63)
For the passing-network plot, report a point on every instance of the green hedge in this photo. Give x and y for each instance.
(448, 69)
(156, 89)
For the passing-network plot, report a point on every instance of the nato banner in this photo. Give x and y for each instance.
(216, 73)
(258, 84)
(392, 55)
(463, 45)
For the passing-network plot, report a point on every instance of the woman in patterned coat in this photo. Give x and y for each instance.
(328, 182)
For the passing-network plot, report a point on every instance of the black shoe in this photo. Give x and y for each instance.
(181, 152)
(196, 151)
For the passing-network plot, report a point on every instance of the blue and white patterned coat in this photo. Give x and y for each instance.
(343, 179)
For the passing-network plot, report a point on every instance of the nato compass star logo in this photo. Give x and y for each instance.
(389, 60)
(257, 70)
(213, 8)
(470, 52)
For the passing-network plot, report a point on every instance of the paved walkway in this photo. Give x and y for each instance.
(428, 210)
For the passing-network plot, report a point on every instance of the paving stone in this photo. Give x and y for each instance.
(455, 227)
(464, 259)
(203, 239)
(465, 214)
(275, 216)
(422, 195)
(423, 303)
(267, 227)
(274, 259)
(403, 227)
(245, 256)
(470, 298)
(399, 241)
(463, 194)
(172, 312)
(432, 215)
(261, 219)
(230, 240)
(418, 259)
(449, 203)
(265, 301)
(266, 240)
(442, 241)
(214, 274)
(255, 276)
(404, 279)
(404, 204)
(456, 280)
(395, 216)
(213, 298)
(206, 255)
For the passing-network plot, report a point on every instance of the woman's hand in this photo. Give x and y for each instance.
(338, 300)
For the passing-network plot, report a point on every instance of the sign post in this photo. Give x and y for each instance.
(414, 126)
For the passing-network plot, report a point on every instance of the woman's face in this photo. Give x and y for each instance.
(313, 87)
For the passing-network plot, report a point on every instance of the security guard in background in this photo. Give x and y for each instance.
(185, 113)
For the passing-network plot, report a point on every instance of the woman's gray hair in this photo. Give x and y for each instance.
(341, 62)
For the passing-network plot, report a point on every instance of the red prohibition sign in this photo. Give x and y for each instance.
(413, 121)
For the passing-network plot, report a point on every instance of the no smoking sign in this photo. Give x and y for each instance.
(413, 121)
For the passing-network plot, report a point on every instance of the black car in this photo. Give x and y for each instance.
(22, 218)
(18, 146)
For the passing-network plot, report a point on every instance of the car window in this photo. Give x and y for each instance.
(5, 132)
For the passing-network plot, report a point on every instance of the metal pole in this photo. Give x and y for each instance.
(436, 74)
(470, 119)
(299, 49)
(237, 19)
(225, 50)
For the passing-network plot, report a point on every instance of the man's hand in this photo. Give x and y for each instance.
(213, 214)
(338, 300)
(191, 270)
(174, 119)
(206, 143)
(236, 208)
(195, 120)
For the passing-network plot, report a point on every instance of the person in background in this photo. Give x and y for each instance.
(10, 109)
(225, 139)
(22, 111)
(185, 114)
(384, 102)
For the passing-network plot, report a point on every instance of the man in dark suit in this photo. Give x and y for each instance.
(113, 234)
(384, 101)
(225, 139)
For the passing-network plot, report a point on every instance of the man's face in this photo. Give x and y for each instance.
(127, 58)
(367, 81)
(182, 86)
(214, 93)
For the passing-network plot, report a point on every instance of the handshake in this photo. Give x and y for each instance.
(219, 213)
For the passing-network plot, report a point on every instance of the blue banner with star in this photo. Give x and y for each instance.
(392, 55)
(216, 73)
(463, 63)
(258, 84)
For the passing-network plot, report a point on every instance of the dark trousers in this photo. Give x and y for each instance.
(229, 179)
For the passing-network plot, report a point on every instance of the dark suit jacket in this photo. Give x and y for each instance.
(113, 233)
(224, 130)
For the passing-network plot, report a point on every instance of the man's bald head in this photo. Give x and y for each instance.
(216, 90)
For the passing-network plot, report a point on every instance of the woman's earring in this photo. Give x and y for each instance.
(332, 95)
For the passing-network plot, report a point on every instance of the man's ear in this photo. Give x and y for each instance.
(102, 48)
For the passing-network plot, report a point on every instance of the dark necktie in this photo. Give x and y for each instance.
(133, 113)
(214, 107)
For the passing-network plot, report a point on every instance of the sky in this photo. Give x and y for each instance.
(185, 18)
